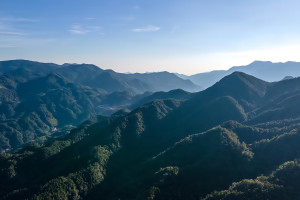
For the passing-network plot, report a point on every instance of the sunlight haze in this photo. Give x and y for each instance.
(152, 35)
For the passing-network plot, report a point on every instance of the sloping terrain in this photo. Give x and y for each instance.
(217, 144)
(41, 100)
(40, 107)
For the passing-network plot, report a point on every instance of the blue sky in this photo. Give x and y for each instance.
(151, 35)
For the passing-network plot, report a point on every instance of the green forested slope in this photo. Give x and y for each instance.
(218, 144)
(39, 107)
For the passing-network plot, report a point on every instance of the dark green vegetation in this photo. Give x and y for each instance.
(282, 183)
(239, 139)
(42, 100)
(35, 109)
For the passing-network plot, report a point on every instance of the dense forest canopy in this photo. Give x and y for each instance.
(238, 139)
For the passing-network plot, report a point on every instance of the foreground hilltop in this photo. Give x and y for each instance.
(237, 139)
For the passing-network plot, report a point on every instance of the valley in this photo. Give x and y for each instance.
(238, 139)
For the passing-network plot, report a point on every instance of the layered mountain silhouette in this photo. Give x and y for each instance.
(42, 100)
(264, 70)
(97, 78)
(235, 140)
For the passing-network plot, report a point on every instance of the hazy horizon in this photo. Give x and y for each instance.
(146, 36)
(129, 72)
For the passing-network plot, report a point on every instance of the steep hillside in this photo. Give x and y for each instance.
(280, 184)
(247, 89)
(173, 94)
(212, 154)
(38, 99)
(41, 107)
(214, 140)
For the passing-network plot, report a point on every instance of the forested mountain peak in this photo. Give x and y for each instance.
(228, 135)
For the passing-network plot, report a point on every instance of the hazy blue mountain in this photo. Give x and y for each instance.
(24, 70)
(165, 81)
(183, 76)
(84, 74)
(108, 80)
(97, 78)
(287, 78)
(267, 71)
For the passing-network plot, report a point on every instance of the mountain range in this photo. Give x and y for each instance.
(90, 75)
(39, 100)
(238, 139)
(43, 100)
(264, 70)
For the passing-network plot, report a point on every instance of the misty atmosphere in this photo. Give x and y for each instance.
(149, 100)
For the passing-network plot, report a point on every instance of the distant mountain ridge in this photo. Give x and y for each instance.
(97, 78)
(264, 70)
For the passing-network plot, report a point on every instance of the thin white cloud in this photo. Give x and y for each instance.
(147, 29)
(82, 30)
(11, 41)
(20, 19)
(11, 33)
(9, 26)
(78, 30)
